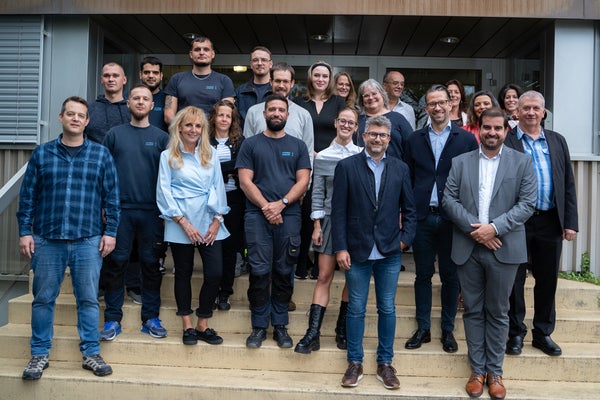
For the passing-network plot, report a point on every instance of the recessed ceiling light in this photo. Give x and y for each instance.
(319, 37)
(240, 68)
(191, 36)
(449, 39)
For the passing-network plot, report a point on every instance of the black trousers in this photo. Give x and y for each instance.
(544, 247)
(235, 243)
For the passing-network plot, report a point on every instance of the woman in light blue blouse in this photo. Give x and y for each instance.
(191, 198)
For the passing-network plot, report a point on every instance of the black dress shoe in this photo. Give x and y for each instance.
(448, 342)
(514, 345)
(419, 337)
(547, 345)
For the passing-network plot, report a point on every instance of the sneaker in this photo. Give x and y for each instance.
(189, 336)
(282, 338)
(153, 328)
(35, 367)
(110, 330)
(353, 375)
(134, 296)
(258, 335)
(223, 302)
(209, 336)
(387, 374)
(97, 365)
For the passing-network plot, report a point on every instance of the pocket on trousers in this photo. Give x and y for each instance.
(294, 246)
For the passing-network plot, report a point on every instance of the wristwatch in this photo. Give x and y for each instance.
(220, 219)
(285, 201)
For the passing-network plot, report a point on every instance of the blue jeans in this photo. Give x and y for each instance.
(385, 272)
(49, 263)
(434, 237)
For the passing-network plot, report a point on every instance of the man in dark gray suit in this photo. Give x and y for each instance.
(489, 195)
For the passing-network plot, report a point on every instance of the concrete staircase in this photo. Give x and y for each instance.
(147, 368)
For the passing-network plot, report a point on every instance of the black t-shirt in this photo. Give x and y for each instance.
(274, 163)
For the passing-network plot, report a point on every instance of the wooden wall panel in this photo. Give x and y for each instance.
(576, 9)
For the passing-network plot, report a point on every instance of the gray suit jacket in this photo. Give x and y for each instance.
(513, 201)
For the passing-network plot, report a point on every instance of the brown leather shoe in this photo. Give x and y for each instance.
(387, 374)
(353, 375)
(475, 385)
(496, 387)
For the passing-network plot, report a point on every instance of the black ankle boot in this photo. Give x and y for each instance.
(340, 328)
(310, 341)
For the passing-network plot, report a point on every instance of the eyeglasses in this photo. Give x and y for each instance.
(262, 60)
(342, 121)
(434, 104)
(375, 135)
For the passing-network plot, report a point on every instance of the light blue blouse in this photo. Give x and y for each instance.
(194, 191)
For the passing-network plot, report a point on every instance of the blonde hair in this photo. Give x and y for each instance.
(175, 143)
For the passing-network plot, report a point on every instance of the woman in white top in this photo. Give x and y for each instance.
(346, 125)
(191, 199)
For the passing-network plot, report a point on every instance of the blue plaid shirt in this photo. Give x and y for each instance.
(62, 197)
(540, 156)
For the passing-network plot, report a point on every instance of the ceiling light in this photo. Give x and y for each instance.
(319, 37)
(191, 36)
(449, 39)
(240, 68)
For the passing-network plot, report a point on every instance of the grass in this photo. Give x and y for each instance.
(585, 275)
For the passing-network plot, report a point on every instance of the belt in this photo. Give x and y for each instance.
(434, 209)
(544, 212)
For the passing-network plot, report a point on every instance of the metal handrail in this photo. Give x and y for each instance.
(11, 189)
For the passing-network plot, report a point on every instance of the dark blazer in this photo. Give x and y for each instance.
(359, 220)
(228, 167)
(563, 181)
(421, 162)
(512, 203)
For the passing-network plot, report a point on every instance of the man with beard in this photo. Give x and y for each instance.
(109, 109)
(259, 87)
(372, 219)
(201, 87)
(136, 149)
(151, 75)
(274, 170)
(429, 154)
(490, 193)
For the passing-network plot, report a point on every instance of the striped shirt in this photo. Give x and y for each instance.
(62, 196)
(540, 156)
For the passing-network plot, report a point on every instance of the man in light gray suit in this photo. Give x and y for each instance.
(489, 195)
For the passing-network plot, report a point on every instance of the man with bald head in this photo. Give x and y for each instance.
(393, 83)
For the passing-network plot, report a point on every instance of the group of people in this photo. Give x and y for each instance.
(485, 190)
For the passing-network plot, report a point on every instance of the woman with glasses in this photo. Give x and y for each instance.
(344, 87)
(346, 125)
(191, 198)
(323, 106)
(373, 101)
(480, 102)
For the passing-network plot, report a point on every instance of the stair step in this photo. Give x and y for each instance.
(571, 325)
(586, 297)
(580, 362)
(67, 380)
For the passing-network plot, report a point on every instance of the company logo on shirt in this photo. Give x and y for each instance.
(287, 154)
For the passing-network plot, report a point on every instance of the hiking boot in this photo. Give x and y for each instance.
(97, 365)
(258, 335)
(35, 367)
(282, 338)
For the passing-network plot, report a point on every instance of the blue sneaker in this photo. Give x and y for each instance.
(110, 331)
(153, 328)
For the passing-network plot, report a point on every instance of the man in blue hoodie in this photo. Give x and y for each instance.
(109, 109)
